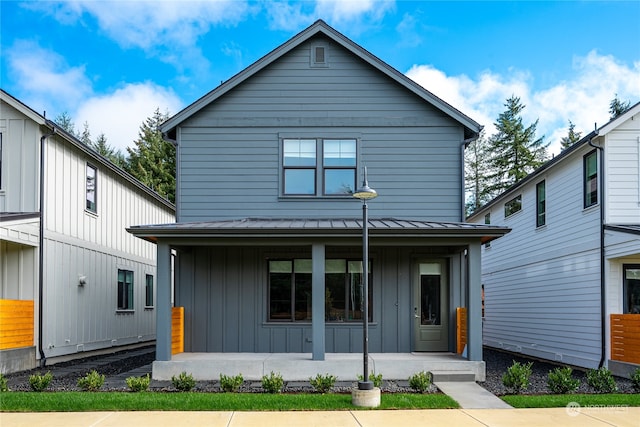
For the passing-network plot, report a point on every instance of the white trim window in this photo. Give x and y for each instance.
(91, 188)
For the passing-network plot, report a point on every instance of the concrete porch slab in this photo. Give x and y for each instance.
(301, 366)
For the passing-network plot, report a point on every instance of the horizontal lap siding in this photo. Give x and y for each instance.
(542, 285)
(229, 151)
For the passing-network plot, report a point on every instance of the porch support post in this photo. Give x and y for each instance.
(163, 310)
(474, 304)
(317, 296)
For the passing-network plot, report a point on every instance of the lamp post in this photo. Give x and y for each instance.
(365, 193)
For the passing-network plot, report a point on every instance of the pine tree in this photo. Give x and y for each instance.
(103, 148)
(153, 160)
(85, 136)
(66, 123)
(617, 107)
(515, 150)
(477, 175)
(571, 138)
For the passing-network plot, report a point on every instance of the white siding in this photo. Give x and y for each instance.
(542, 287)
(622, 159)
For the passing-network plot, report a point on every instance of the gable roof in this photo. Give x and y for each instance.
(602, 131)
(472, 128)
(75, 142)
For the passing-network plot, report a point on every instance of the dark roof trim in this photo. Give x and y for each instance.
(325, 227)
(626, 228)
(320, 27)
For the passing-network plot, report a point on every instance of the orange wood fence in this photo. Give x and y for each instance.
(16, 323)
(177, 330)
(461, 329)
(625, 338)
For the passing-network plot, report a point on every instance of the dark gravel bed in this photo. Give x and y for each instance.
(116, 369)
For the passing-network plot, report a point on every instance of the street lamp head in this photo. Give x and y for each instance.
(365, 192)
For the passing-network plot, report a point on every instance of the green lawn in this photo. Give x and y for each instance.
(562, 400)
(153, 401)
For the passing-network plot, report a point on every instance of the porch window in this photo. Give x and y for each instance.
(305, 173)
(541, 204)
(125, 290)
(290, 290)
(591, 179)
(631, 289)
(91, 188)
(343, 291)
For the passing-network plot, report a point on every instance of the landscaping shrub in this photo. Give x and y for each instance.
(420, 382)
(91, 382)
(516, 379)
(601, 380)
(635, 380)
(231, 384)
(139, 383)
(375, 379)
(40, 382)
(560, 381)
(183, 382)
(3, 384)
(272, 383)
(323, 383)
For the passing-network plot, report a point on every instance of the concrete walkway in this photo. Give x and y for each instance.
(556, 417)
(470, 395)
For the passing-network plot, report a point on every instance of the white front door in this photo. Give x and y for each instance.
(431, 306)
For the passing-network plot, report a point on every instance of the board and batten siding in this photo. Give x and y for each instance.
(229, 154)
(93, 245)
(542, 286)
(622, 158)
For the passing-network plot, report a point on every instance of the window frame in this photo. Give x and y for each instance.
(541, 204)
(148, 291)
(508, 209)
(125, 294)
(590, 195)
(625, 289)
(87, 206)
(321, 168)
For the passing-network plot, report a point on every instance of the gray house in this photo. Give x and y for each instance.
(269, 238)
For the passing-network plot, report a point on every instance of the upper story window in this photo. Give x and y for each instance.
(541, 204)
(590, 163)
(487, 220)
(512, 206)
(319, 166)
(92, 188)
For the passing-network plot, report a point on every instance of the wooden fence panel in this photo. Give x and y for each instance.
(625, 338)
(461, 329)
(16, 323)
(177, 330)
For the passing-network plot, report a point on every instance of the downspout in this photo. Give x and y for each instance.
(43, 359)
(464, 145)
(603, 306)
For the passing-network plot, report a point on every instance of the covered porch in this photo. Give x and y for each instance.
(301, 366)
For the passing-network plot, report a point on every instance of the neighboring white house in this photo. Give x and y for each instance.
(568, 274)
(84, 283)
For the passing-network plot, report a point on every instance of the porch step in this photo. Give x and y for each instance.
(453, 376)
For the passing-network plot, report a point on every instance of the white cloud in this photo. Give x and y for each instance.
(119, 114)
(582, 98)
(44, 75)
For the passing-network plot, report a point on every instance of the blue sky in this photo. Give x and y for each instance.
(112, 63)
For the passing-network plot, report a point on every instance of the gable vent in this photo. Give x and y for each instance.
(319, 55)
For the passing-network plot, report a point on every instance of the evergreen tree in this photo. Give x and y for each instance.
(153, 160)
(571, 138)
(515, 150)
(617, 107)
(115, 156)
(477, 175)
(85, 136)
(66, 123)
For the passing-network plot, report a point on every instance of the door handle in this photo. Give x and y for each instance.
(415, 312)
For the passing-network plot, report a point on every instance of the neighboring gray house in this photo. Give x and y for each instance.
(564, 284)
(72, 280)
(268, 236)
